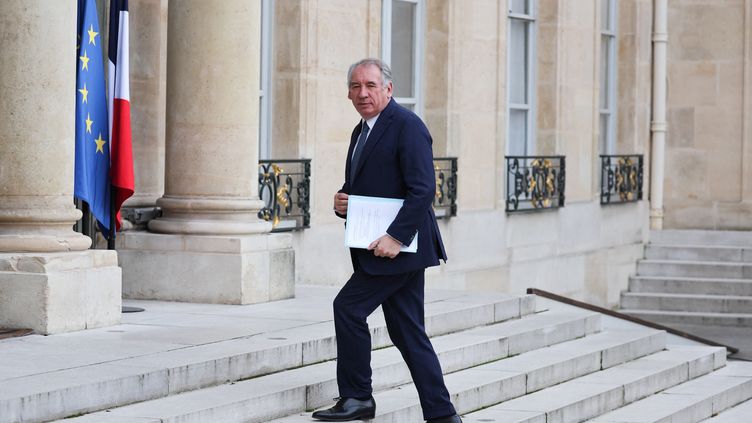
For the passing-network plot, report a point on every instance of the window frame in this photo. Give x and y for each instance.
(265, 80)
(530, 79)
(416, 101)
(609, 32)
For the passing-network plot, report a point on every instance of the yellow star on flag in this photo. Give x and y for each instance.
(88, 123)
(92, 35)
(100, 144)
(85, 93)
(85, 61)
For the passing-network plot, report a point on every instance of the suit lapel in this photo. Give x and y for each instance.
(353, 140)
(382, 123)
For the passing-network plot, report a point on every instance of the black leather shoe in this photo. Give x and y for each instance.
(448, 419)
(347, 409)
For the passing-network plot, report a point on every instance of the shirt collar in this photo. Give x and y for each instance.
(372, 121)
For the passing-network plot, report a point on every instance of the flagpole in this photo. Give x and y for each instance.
(113, 222)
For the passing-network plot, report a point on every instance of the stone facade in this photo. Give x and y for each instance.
(584, 249)
(195, 139)
(709, 144)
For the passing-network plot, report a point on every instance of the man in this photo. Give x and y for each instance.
(390, 156)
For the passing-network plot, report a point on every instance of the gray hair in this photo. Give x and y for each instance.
(386, 72)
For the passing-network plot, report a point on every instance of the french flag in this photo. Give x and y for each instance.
(119, 107)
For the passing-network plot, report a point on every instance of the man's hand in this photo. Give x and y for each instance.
(340, 203)
(385, 246)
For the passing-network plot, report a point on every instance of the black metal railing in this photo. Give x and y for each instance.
(285, 188)
(445, 202)
(621, 178)
(535, 183)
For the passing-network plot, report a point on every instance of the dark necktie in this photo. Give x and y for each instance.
(358, 149)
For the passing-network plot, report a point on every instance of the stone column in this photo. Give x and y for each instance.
(49, 280)
(148, 47)
(211, 247)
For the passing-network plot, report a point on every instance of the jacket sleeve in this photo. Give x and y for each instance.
(344, 189)
(416, 164)
(346, 186)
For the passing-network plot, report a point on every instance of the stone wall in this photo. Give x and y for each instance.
(584, 250)
(708, 143)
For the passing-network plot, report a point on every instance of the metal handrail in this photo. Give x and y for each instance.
(633, 319)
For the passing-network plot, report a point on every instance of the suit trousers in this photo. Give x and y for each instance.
(401, 299)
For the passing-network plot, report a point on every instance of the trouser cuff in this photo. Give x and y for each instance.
(439, 412)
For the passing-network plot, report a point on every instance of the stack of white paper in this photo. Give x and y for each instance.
(368, 218)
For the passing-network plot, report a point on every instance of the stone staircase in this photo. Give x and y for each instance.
(506, 358)
(693, 278)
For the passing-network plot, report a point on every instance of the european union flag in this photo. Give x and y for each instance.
(92, 173)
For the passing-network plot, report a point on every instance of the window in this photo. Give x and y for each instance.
(265, 83)
(402, 48)
(607, 102)
(521, 78)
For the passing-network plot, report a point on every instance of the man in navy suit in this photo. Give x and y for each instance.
(389, 156)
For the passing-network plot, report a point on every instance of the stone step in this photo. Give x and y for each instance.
(313, 386)
(597, 393)
(737, 414)
(701, 237)
(691, 318)
(692, 401)
(686, 302)
(689, 285)
(492, 383)
(683, 252)
(698, 269)
(124, 379)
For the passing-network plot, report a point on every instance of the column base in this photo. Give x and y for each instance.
(209, 216)
(59, 292)
(238, 269)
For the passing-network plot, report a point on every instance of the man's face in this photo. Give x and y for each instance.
(367, 92)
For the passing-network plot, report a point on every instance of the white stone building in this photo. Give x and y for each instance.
(218, 85)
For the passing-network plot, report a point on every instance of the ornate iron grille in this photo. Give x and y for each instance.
(445, 202)
(535, 183)
(621, 178)
(285, 187)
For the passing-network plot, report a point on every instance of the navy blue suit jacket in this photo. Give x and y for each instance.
(397, 162)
